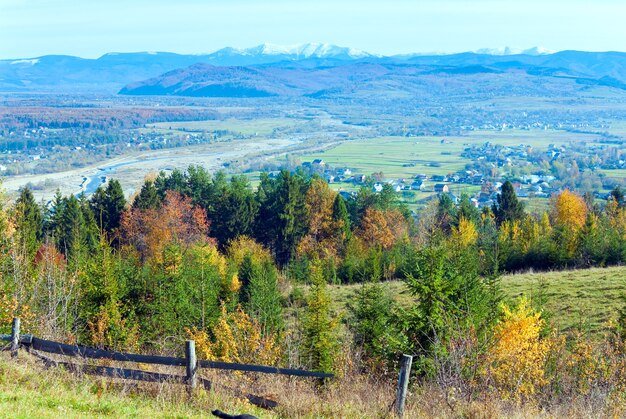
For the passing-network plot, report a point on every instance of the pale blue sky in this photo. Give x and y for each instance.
(89, 28)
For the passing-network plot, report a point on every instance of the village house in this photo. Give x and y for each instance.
(440, 188)
(418, 185)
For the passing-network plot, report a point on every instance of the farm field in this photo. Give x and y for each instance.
(391, 154)
(261, 126)
(586, 298)
(395, 156)
(405, 157)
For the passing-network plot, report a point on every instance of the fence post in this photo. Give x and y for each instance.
(192, 364)
(15, 337)
(403, 383)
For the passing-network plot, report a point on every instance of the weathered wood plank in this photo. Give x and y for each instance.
(124, 373)
(74, 350)
(27, 339)
(263, 369)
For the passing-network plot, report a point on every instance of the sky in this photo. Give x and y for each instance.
(90, 28)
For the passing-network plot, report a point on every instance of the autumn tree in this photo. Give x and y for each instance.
(569, 210)
(319, 204)
(382, 228)
(176, 221)
(517, 359)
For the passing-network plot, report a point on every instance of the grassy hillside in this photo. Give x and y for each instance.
(29, 391)
(586, 298)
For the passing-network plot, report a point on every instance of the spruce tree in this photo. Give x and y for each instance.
(319, 329)
(108, 205)
(341, 217)
(29, 222)
(264, 300)
(508, 207)
(148, 197)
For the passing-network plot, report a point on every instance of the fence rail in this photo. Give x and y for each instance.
(35, 346)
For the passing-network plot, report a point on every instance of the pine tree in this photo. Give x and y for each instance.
(508, 207)
(108, 205)
(71, 219)
(371, 320)
(319, 329)
(341, 217)
(264, 299)
(28, 221)
(148, 197)
(234, 211)
(283, 218)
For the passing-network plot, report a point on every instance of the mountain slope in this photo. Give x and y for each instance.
(113, 71)
(454, 77)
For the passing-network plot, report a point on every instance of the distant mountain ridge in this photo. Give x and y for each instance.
(114, 71)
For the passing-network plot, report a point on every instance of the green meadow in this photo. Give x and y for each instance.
(586, 299)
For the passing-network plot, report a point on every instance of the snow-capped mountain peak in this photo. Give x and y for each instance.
(308, 50)
(514, 51)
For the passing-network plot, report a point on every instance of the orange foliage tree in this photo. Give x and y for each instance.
(382, 228)
(324, 237)
(176, 221)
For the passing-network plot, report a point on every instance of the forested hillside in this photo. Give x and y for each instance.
(244, 272)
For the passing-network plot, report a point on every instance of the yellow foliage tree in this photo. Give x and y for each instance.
(465, 234)
(545, 229)
(244, 246)
(237, 338)
(569, 210)
(517, 358)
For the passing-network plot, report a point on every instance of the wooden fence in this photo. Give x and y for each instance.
(38, 346)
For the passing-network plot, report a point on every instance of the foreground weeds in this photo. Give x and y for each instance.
(28, 390)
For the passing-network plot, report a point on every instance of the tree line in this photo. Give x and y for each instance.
(245, 271)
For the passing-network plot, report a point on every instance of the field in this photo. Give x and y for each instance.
(405, 157)
(391, 154)
(587, 299)
(254, 127)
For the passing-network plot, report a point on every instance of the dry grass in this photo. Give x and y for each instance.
(28, 390)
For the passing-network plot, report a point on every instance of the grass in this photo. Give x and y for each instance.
(243, 126)
(587, 298)
(29, 391)
(391, 155)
